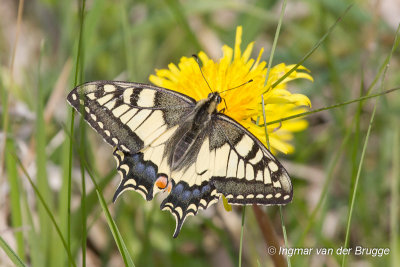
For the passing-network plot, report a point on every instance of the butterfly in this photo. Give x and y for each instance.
(166, 141)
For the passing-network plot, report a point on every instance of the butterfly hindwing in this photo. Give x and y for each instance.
(129, 116)
(140, 171)
(192, 189)
(136, 174)
(183, 200)
(227, 160)
(190, 186)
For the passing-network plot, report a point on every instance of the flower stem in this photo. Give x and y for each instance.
(270, 237)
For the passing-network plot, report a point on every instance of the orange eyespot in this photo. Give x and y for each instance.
(169, 187)
(162, 182)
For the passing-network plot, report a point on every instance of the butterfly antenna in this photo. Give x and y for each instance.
(198, 63)
(249, 81)
(277, 128)
(225, 104)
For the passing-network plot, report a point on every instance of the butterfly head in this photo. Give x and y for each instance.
(214, 97)
(213, 100)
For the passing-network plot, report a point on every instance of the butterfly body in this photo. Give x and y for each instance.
(167, 141)
(194, 126)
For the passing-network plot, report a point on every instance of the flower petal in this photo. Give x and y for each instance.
(243, 102)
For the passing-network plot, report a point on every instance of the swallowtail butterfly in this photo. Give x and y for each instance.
(166, 141)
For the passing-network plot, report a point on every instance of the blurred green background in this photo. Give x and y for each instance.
(128, 40)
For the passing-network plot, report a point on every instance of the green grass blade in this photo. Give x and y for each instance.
(82, 150)
(32, 236)
(394, 203)
(84, 216)
(241, 235)
(263, 109)
(63, 208)
(82, 147)
(5, 119)
(69, 183)
(11, 253)
(330, 169)
(41, 163)
(47, 209)
(276, 36)
(312, 49)
(113, 227)
(15, 193)
(383, 66)
(355, 187)
(344, 143)
(5, 94)
(80, 41)
(333, 106)
(91, 205)
(115, 232)
(356, 135)
(284, 235)
(325, 188)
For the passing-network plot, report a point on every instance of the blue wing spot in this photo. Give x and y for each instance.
(205, 189)
(196, 193)
(139, 167)
(186, 195)
(135, 157)
(150, 172)
(177, 189)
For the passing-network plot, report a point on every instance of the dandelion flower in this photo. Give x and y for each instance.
(243, 103)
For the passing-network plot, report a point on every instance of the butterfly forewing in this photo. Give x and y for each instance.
(129, 116)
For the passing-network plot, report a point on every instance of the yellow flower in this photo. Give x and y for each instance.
(243, 103)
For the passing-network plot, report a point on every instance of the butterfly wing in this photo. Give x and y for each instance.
(228, 160)
(246, 172)
(129, 116)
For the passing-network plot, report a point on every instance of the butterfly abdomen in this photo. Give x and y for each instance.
(196, 123)
(183, 146)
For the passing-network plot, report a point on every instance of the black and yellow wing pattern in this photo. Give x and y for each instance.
(166, 141)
